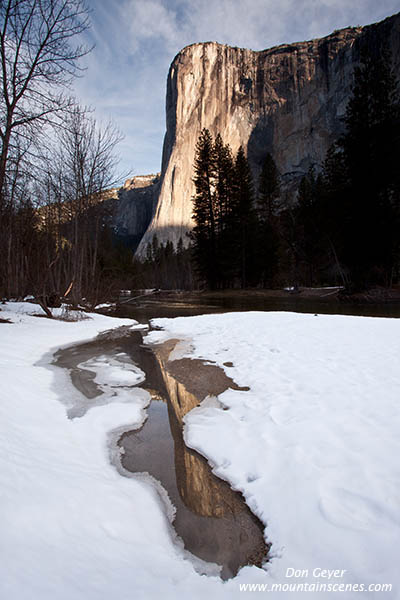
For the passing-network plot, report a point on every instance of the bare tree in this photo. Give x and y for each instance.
(38, 58)
(87, 153)
(81, 167)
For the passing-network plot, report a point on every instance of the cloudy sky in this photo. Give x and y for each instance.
(136, 40)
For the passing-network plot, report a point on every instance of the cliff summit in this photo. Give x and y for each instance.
(288, 100)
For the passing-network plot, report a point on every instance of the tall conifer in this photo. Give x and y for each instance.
(269, 188)
(243, 217)
(371, 146)
(204, 235)
(267, 238)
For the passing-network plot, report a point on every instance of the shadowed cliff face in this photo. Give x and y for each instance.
(135, 207)
(288, 100)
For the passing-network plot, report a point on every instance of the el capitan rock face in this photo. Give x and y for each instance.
(288, 100)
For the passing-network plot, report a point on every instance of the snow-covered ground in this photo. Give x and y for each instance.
(313, 445)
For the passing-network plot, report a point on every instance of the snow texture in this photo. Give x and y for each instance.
(73, 528)
(313, 445)
(113, 372)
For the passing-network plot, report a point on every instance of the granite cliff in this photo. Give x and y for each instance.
(134, 208)
(288, 100)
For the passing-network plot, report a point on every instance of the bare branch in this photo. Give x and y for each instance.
(37, 58)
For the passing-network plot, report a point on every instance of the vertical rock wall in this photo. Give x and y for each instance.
(288, 100)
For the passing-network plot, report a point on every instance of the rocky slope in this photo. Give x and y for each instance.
(288, 100)
(134, 208)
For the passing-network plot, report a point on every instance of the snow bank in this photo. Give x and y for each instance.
(72, 528)
(314, 444)
(105, 305)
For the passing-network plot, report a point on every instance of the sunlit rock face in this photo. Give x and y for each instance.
(288, 100)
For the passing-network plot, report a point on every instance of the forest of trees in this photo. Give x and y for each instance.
(56, 165)
(343, 226)
(165, 267)
(56, 162)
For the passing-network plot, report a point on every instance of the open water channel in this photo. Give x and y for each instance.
(213, 521)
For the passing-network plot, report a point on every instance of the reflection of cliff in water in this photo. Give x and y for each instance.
(213, 520)
(199, 489)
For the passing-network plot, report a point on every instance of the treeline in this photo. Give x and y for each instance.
(165, 267)
(343, 225)
(56, 162)
(231, 232)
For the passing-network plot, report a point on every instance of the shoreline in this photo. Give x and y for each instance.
(329, 295)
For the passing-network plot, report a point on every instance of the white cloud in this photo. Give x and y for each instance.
(251, 23)
(152, 19)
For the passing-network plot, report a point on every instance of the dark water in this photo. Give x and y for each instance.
(213, 521)
(145, 309)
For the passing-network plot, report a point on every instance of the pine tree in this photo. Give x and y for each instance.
(243, 217)
(336, 227)
(267, 235)
(224, 175)
(371, 146)
(204, 235)
(269, 188)
(308, 218)
(223, 181)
